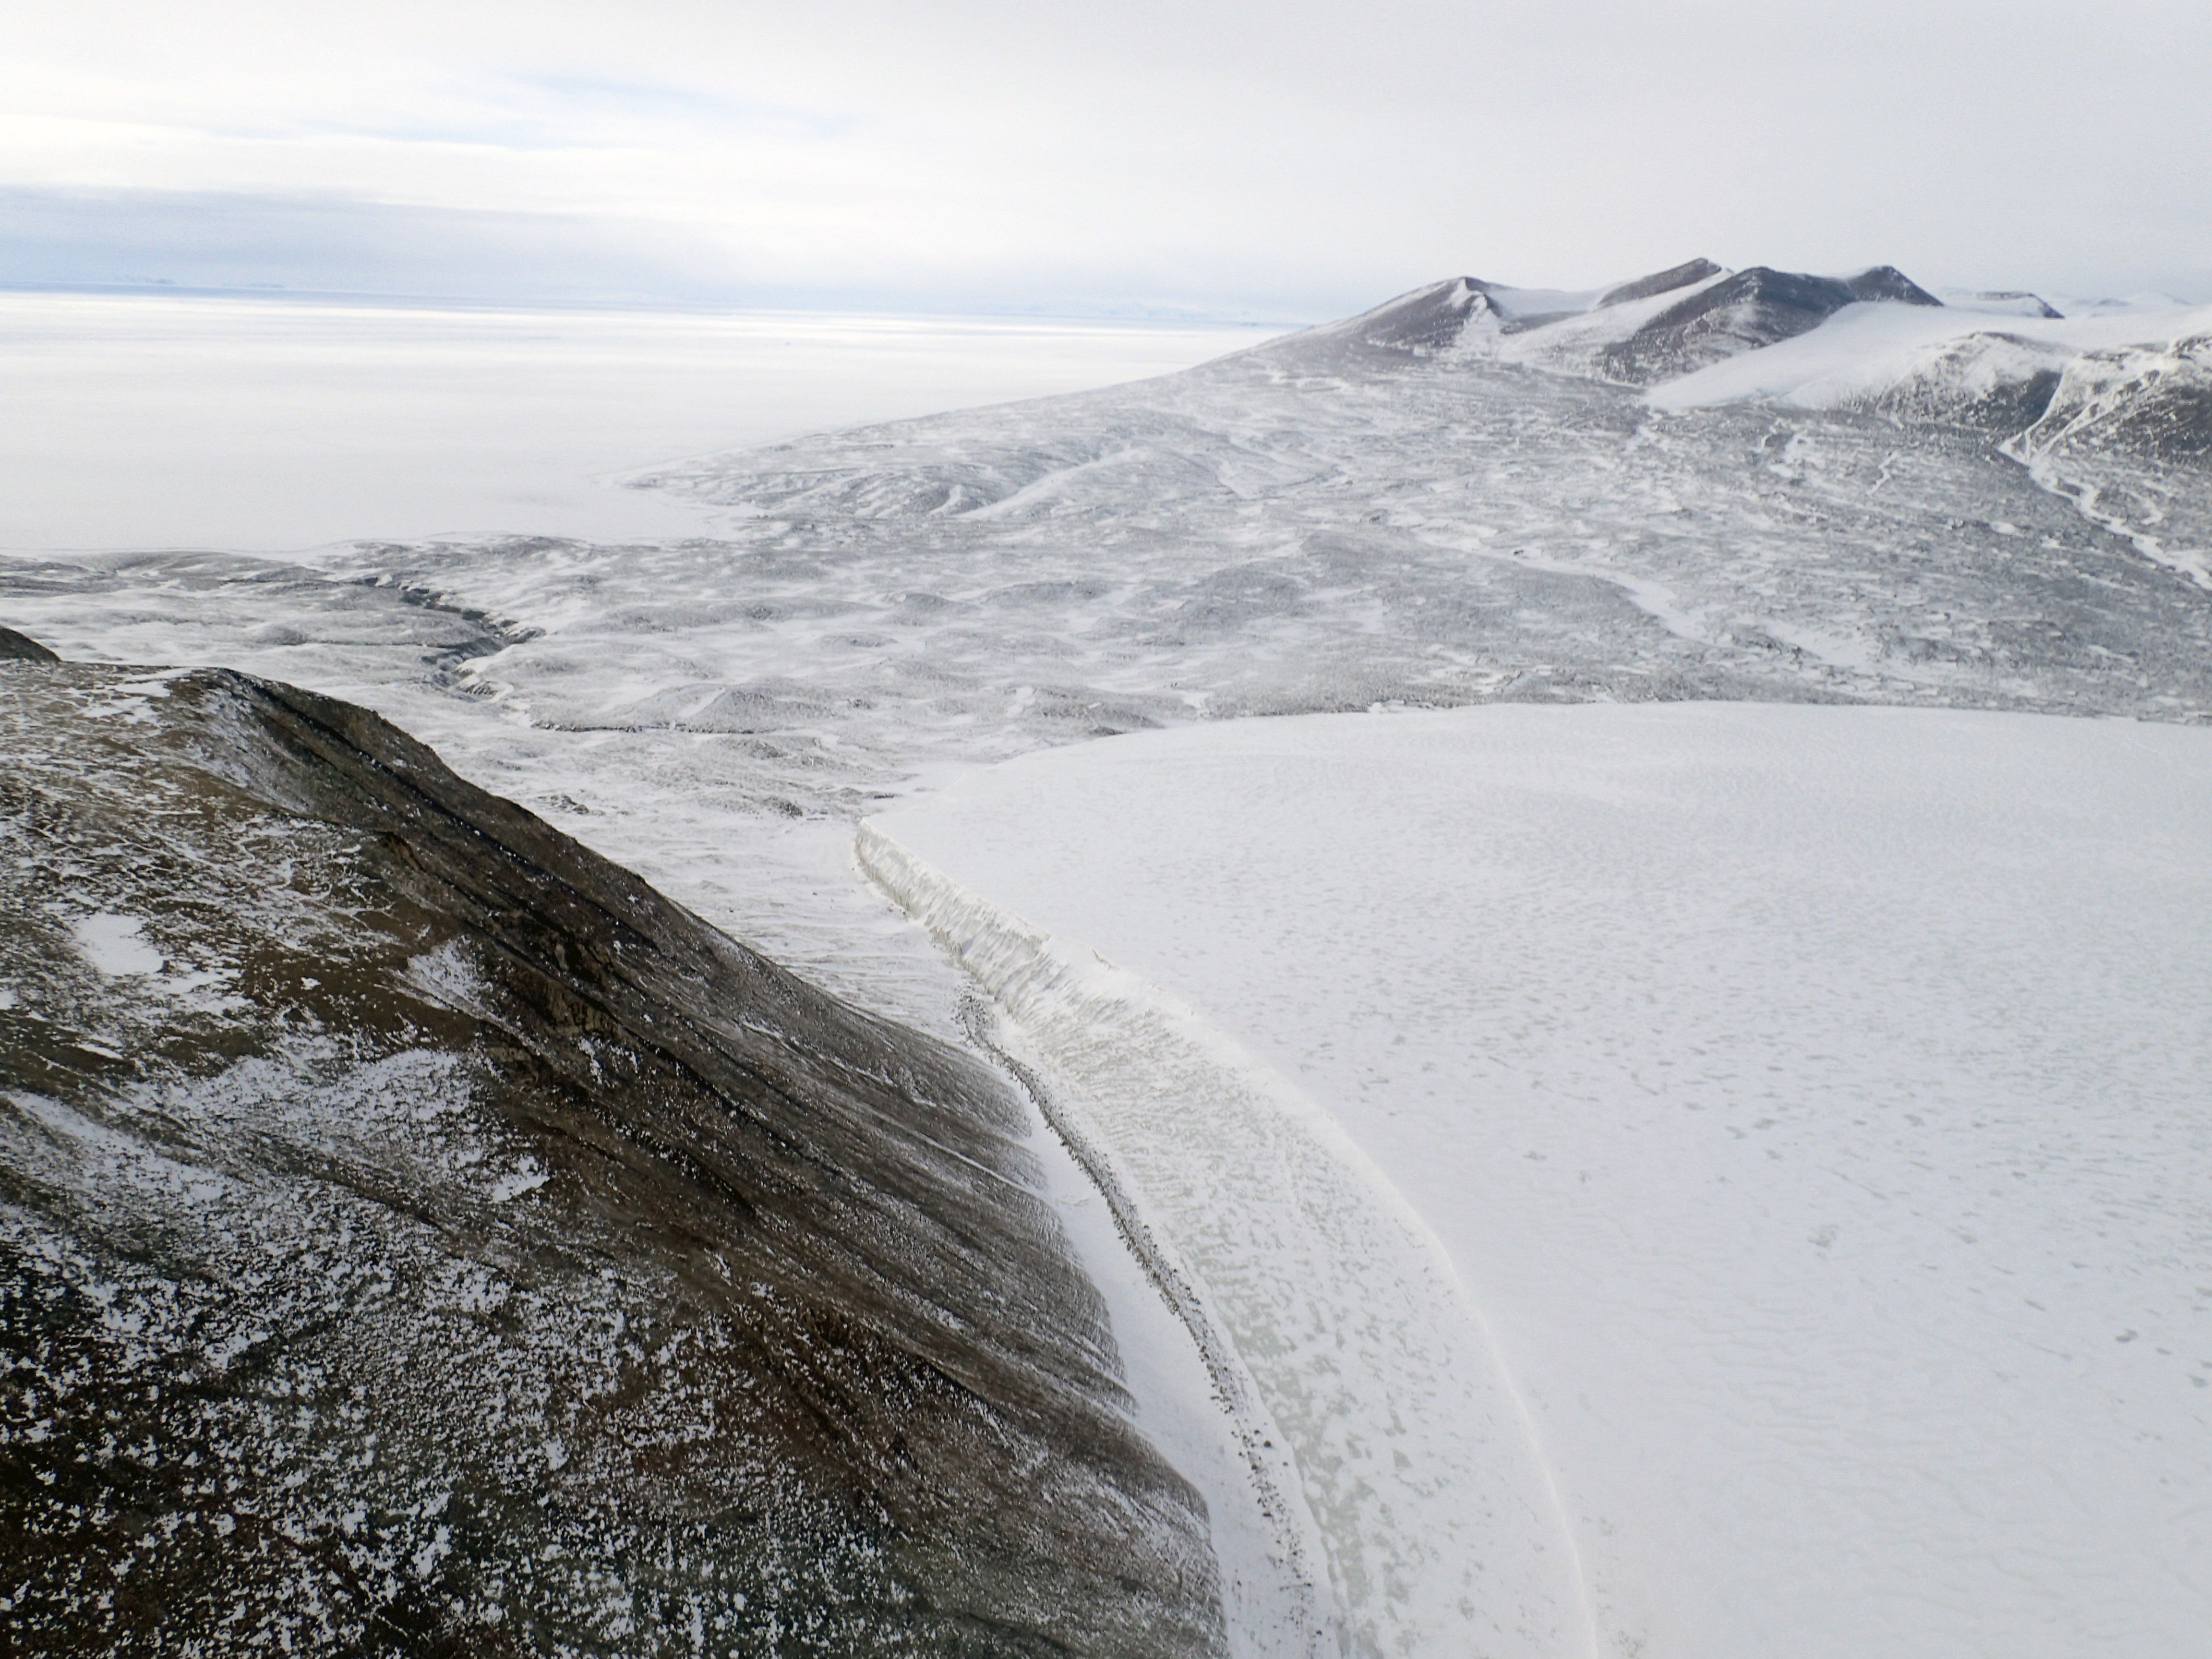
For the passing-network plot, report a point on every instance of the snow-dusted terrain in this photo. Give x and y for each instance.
(1745, 487)
(1809, 1097)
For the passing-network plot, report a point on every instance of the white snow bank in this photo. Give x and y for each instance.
(115, 944)
(1811, 1098)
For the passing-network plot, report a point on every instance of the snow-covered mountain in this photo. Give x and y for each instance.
(2123, 384)
(1649, 328)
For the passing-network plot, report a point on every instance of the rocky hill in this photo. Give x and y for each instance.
(419, 1235)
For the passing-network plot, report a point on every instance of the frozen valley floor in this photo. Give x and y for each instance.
(1804, 1103)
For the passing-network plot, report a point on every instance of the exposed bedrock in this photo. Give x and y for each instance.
(1428, 319)
(1660, 281)
(2152, 402)
(21, 647)
(420, 1236)
(1720, 314)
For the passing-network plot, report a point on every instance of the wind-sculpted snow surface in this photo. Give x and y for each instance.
(420, 1236)
(1813, 1099)
(1368, 518)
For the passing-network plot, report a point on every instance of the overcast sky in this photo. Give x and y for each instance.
(1287, 161)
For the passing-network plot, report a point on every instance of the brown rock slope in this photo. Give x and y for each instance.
(417, 1235)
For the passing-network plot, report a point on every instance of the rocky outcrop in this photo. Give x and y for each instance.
(2020, 302)
(420, 1236)
(1753, 308)
(1997, 383)
(2151, 403)
(1429, 318)
(1440, 316)
(22, 647)
(1720, 315)
(1660, 281)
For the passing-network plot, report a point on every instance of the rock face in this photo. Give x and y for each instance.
(1428, 319)
(421, 1237)
(1443, 314)
(1995, 382)
(21, 647)
(1660, 281)
(1616, 333)
(2020, 302)
(2153, 403)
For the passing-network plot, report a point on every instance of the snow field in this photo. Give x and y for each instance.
(284, 423)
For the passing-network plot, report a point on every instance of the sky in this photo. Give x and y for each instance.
(1212, 158)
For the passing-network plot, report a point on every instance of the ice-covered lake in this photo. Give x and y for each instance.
(1810, 1101)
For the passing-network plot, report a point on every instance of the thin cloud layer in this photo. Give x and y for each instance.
(1280, 161)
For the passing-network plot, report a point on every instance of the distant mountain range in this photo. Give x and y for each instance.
(2007, 361)
(1650, 328)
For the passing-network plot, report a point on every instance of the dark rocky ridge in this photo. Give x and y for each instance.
(1753, 308)
(1434, 318)
(2150, 404)
(22, 647)
(2031, 304)
(422, 1237)
(1659, 282)
(1741, 312)
(1427, 319)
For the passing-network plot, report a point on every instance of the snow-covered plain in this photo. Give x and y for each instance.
(1811, 1098)
(143, 421)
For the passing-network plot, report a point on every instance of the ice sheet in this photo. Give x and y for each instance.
(1393, 1450)
(1812, 1098)
(131, 422)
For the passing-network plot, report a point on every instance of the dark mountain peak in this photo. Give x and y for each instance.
(1660, 281)
(22, 647)
(2027, 304)
(1888, 283)
(1426, 319)
(1718, 314)
(1755, 307)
